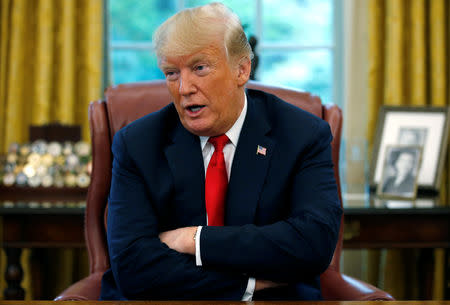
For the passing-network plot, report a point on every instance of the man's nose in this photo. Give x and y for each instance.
(187, 85)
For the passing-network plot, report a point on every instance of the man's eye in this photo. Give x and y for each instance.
(201, 69)
(171, 75)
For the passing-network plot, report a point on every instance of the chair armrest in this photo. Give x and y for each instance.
(337, 286)
(85, 289)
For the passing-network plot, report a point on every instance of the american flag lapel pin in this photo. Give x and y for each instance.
(261, 150)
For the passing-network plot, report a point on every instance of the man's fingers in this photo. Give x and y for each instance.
(163, 236)
(169, 237)
(181, 239)
(263, 284)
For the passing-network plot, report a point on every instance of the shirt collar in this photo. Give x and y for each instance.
(235, 130)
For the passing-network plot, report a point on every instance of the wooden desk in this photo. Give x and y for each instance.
(397, 228)
(38, 218)
(375, 228)
(27, 227)
(227, 303)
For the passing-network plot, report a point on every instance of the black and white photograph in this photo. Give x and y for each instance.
(401, 167)
(412, 136)
(426, 127)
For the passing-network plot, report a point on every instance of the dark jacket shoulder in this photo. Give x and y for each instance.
(289, 120)
(278, 109)
(151, 128)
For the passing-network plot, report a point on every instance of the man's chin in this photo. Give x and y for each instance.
(199, 130)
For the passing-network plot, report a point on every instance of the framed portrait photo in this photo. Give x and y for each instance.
(426, 127)
(400, 171)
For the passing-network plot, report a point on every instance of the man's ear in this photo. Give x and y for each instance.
(244, 68)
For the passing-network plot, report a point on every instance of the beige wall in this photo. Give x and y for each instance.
(355, 67)
(355, 14)
(356, 110)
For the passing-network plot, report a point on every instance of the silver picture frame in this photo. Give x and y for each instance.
(400, 172)
(423, 126)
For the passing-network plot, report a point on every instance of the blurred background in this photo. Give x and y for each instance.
(56, 56)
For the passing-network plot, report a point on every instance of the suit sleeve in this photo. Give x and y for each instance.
(143, 266)
(299, 246)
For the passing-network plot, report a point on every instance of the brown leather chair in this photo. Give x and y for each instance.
(126, 103)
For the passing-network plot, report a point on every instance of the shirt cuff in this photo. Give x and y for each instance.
(198, 259)
(248, 295)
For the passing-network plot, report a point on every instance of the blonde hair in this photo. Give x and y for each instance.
(193, 29)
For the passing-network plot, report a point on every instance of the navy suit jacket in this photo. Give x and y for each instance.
(282, 209)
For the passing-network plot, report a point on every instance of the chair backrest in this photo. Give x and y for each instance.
(126, 103)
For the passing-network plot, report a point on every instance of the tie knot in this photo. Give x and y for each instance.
(219, 142)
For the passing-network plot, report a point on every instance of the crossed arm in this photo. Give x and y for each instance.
(147, 263)
(181, 240)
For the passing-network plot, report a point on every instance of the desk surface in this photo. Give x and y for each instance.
(225, 302)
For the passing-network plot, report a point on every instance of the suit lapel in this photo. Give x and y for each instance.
(249, 169)
(185, 160)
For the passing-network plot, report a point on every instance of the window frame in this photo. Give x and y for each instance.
(336, 47)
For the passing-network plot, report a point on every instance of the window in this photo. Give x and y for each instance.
(296, 40)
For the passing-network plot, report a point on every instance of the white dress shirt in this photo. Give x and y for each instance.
(228, 152)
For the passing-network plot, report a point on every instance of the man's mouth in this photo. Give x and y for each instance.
(195, 108)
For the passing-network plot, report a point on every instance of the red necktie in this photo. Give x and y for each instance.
(216, 182)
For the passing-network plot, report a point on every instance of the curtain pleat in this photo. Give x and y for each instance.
(66, 93)
(376, 66)
(44, 63)
(394, 93)
(15, 76)
(94, 56)
(438, 43)
(417, 58)
(4, 48)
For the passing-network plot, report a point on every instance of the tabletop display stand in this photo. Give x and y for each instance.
(31, 216)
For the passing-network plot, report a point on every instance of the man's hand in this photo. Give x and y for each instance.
(181, 240)
(263, 284)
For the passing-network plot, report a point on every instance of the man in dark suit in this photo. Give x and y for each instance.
(225, 193)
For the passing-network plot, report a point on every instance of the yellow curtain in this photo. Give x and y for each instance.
(409, 64)
(51, 60)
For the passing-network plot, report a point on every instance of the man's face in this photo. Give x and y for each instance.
(207, 91)
(405, 163)
(409, 138)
